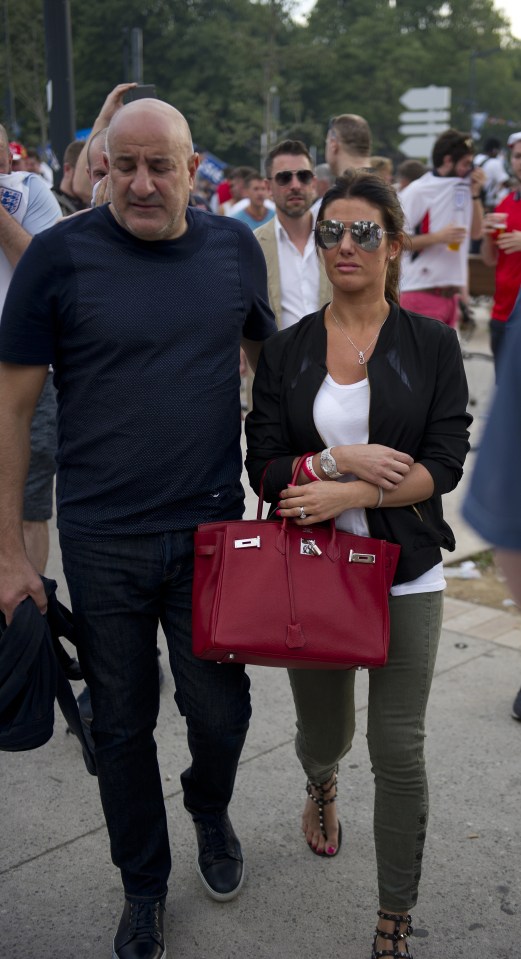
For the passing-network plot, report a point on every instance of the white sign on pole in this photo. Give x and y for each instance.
(427, 98)
(428, 116)
(422, 129)
(418, 148)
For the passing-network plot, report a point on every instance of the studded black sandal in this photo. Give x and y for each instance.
(321, 801)
(396, 937)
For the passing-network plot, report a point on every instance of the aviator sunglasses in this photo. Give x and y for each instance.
(284, 177)
(365, 233)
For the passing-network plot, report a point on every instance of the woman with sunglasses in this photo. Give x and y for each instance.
(376, 397)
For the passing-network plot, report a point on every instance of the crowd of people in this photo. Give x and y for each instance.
(343, 292)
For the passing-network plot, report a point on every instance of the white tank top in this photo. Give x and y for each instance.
(341, 415)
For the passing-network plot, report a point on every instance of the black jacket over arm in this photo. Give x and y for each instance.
(418, 400)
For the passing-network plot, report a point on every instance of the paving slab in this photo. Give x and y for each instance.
(61, 895)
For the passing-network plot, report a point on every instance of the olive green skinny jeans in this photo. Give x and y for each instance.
(398, 694)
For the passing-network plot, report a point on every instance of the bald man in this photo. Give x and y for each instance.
(141, 305)
(87, 170)
(96, 149)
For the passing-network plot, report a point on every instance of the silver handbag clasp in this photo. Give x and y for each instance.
(308, 547)
(246, 543)
(361, 557)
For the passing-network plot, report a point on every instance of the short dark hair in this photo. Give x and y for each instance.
(411, 170)
(241, 172)
(72, 152)
(253, 176)
(368, 186)
(492, 143)
(353, 132)
(452, 143)
(294, 148)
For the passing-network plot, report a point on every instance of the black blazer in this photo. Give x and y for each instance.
(418, 400)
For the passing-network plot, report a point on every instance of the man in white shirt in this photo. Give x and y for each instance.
(443, 212)
(496, 174)
(297, 284)
(27, 206)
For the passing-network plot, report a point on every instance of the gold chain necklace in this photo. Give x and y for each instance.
(361, 353)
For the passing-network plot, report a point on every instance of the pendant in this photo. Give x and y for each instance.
(361, 358)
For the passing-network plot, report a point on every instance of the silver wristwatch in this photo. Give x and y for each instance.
(328, 464)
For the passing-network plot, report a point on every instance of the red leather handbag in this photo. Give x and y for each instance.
(271, 593)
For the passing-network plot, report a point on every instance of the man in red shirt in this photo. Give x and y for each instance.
(502, 248)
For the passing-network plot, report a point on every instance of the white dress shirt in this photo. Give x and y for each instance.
(299, 276)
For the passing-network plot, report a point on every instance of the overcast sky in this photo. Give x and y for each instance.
(511, 8)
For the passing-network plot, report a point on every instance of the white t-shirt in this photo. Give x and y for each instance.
(430, 204)
(230, 208)
(299, 276)
(496, 183)
(28, 199)
(341, 415)
(242, 204)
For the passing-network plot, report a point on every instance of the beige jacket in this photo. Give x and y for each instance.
(268, 241)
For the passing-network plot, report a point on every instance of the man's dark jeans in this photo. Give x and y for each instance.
(120, 589)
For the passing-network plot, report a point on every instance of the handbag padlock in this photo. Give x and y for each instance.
(308, 547)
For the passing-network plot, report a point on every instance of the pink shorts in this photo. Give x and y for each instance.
(444, 308)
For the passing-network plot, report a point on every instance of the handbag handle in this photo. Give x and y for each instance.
(260, 503)
(333, 549)
(296, 471)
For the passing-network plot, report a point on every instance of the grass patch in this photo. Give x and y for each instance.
(484, 560)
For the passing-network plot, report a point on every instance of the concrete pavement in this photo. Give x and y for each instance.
(61, 897)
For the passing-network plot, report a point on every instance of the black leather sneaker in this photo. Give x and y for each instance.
(140, 931)
(219, 862)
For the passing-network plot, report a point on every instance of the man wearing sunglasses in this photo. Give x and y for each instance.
(297, 284)
(443, 212)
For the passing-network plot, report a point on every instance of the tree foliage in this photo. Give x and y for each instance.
(23, 74)
(218, 60)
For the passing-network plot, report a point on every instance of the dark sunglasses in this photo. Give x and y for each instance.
(284, 177)
(366, 234)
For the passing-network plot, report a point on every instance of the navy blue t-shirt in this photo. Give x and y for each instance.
(144, 339)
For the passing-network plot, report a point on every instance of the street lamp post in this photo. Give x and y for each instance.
(60, 77)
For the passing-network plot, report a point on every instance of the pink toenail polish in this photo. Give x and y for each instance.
(331, 850)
